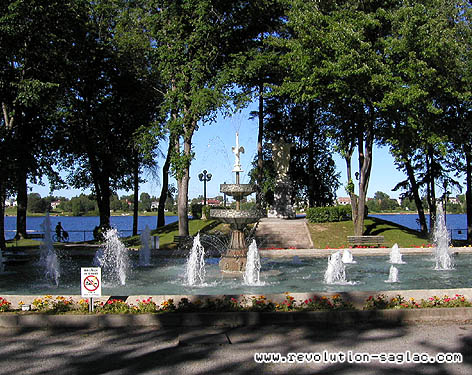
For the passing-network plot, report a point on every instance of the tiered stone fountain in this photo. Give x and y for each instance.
(234, 260)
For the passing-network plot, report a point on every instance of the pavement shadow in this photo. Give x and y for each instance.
(215, 350)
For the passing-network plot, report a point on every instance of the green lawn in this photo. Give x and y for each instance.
(334, 235)
(23, 244)
(166, 234)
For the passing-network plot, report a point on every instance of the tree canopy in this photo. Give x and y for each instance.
(93, 87)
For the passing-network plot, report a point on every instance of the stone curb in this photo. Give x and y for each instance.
(235, 319)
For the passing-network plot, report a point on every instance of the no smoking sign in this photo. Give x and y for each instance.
(91, 282)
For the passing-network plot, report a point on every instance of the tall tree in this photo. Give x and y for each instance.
(108, 101)
(195, 41)
(37, 37)
(423, 55)
(312, 169)
(256, 67)
(336, 55)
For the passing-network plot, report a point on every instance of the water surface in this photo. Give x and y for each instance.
(167, 276)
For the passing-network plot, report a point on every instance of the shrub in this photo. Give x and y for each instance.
(42, 303)
(115, 306)
(288, 305)
(168, 305)
(58, 305)
(376, 303)
(225, 304)
(262, 304)
(196, 210)
(83, 305)
(62, 304)
(147, 306)
(381, 302)
(325, 303)
(457, 301)
(4, 305)
(329, 214)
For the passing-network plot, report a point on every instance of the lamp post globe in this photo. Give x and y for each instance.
(204, 177)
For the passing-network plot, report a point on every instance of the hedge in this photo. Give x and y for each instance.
(329, 214)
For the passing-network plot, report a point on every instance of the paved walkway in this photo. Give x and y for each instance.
(229, 351)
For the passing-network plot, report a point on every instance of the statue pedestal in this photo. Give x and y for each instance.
(233, 264)
(281, 208)
(236, 256)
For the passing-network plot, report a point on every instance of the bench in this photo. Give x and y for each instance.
(35, 235)
(365, 240)
(183, 241)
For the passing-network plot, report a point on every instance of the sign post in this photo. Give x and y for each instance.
(91, 283)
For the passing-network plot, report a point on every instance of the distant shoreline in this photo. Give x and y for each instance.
(393, 213)
(407, 213)
(119, 215)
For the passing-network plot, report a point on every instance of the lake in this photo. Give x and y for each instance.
(456, 223)
(80, 228)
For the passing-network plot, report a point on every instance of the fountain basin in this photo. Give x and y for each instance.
(167, 277)
(237, 219)
(237, 191)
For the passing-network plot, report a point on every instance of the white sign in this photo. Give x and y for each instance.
(91, 282)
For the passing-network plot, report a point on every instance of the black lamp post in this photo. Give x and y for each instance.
(446, 193)
(224, 197)
(204, 176)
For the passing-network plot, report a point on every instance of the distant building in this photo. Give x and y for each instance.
(343, 201)
(55, 204)
(154, 205)
(212, 202)
(453, 200)
(10, 203)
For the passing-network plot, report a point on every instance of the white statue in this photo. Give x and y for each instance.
(281, 158)
(237, 158)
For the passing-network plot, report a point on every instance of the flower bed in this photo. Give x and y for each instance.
(60, 305)
(381, 302)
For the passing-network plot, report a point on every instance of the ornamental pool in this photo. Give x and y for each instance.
(297, 275)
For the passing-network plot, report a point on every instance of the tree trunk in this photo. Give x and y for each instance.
(165, 185)
(182, 199)
(365, 165)
(103, 200)
(135, 196)
(184, 177)
(350, 185)
(431, 191)
(2, 218)
(101, 183)
(22, 200)
(311, 156)
(416, 195)
(468, 193)
(260, 134)
(104, 209)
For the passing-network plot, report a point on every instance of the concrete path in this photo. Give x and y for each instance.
(231, 351)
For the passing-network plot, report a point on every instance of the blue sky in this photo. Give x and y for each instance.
(212, 147)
